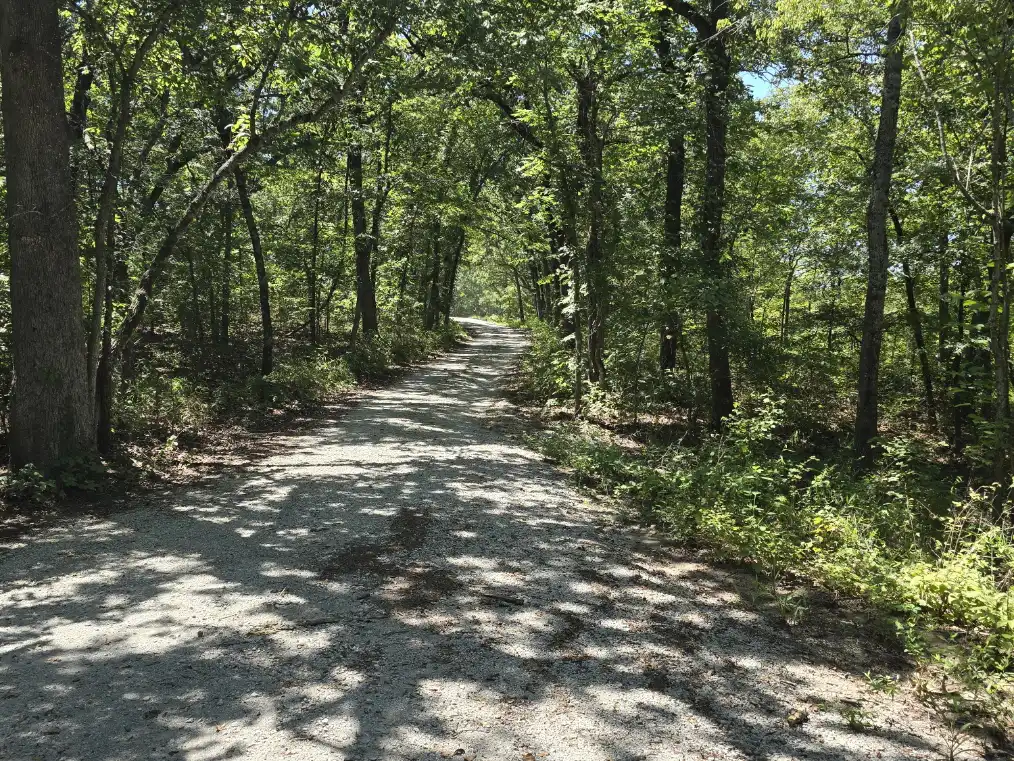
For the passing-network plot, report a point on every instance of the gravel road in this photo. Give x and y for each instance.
(411, 583)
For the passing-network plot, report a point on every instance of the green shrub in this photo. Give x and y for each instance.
(28, 485)
(546, 369)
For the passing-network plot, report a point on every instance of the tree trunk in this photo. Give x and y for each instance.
(223, 332)
(915, 322)
(944, 304)
(103, 402)
(520, 295)
(51, 412)
(575, 278)
(876, 230)
(267, 330)
(719, 74)
(999, 291)
(311, 274)
(366, 296)
(999, 342)
(451, 274)
(675, 180)
(960, 399)
(109, 193)
(195, 302)
(432, 308)
(590, 144)
(787, 303)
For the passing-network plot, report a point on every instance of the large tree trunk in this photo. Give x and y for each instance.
(51, 413)
(366, 296)
(267, 330)
(876, 230)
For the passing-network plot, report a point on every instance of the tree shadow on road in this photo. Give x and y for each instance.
(398, 585)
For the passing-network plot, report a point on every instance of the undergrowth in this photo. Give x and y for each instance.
(176, 403)
(925, 553)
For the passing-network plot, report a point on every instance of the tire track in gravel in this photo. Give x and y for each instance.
(403, 584)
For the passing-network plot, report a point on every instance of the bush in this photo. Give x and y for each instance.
(28, 485)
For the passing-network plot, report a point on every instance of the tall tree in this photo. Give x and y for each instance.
(366, 294)
(867, 413)
(51, 415)
(711, 22)
(263, 286)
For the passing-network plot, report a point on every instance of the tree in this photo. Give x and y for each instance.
(876, 231)
(712, 25)
(51, 415)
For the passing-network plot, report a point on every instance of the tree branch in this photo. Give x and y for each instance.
(942, 136)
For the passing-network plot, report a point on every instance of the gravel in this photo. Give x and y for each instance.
(409, 582)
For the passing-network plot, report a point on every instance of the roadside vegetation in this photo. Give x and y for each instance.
(778, 491)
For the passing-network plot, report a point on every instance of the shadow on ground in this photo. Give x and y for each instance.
(400, 585)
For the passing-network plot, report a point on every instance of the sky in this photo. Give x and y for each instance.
(759, 87)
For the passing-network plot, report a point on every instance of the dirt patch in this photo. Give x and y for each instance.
(408, 532)
(420, 588)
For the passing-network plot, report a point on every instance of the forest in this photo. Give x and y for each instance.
(762, 248)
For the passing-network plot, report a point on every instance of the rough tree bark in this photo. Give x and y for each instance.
(51, 412)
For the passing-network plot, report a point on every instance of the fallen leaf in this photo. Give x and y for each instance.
(797, 718)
